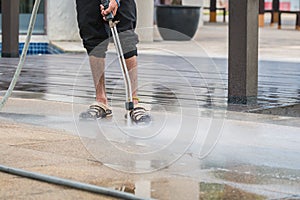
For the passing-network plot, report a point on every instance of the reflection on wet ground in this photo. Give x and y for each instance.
(162, 80)
(258, 175)
(228, 185)
(223, 191)
(180, 188)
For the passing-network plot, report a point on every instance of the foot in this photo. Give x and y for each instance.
(96, 111)
(140, 114)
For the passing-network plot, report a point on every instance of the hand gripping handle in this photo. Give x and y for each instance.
(110, 16)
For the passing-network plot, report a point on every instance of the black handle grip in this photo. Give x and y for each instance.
(110, 16)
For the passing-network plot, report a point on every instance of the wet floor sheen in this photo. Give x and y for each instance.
(168, 80)
(180, 188)
(233, 184)
(249, 161)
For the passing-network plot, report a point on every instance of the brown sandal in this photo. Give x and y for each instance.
(96, 111)
(140, 115)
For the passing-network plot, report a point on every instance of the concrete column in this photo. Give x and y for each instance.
(10, 28)
(261, 17)
(243, 51)
(61, 20)
(145, 19)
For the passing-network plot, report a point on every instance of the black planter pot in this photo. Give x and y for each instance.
(177, 22)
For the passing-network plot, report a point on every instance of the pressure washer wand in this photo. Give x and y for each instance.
(129, 100)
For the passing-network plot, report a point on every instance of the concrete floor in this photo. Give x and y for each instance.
(239, 156)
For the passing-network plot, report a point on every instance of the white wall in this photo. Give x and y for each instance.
(61, 20)
(192, 2)
(145, 9)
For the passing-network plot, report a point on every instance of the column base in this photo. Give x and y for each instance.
(242, 100)
(212, 17)
(275, 17)
(10, 55)
(261, 20)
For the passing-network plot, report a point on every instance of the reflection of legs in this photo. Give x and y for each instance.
(132, 69)
(97, 67)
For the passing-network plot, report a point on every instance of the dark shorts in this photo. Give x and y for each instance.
(95, 32)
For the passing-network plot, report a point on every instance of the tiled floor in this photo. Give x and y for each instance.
(38, 48)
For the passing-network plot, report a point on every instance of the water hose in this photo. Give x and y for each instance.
(69, 183)
(41, 177)
(23, 55)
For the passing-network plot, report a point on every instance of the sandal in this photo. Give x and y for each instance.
(140, 114)
(96, 111)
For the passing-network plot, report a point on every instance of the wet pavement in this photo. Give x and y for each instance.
(250, 156)
(201, 65)
(67, 78)
(197, 146)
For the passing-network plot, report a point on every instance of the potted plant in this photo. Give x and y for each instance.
(177, 21)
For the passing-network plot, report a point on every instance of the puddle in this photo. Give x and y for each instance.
(174, 188)
(50, 121)
(238, 177)
(259, 175)
(212, 191)
(292, 110)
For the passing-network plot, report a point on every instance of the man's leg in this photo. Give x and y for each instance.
(99, 109)
(140, 112)
(97, 68)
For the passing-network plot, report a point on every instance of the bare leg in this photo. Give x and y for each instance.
(132, 69)
(140, 113)
(99, 109)
(97, 67)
